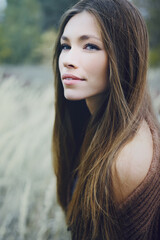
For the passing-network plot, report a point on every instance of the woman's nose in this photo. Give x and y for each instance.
(69, 65)
(70, 60)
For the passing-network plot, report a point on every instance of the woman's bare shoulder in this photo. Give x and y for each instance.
(132, 163)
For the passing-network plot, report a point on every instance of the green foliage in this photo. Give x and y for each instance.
(5, 50)
(151, 11)
(45, 48)
(154, 57)
(20, 32)
(152, 8)
(53, 10)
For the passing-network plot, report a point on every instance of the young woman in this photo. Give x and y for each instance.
(106, 139)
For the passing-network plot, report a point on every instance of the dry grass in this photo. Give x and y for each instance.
(27, 185)
(28, 206)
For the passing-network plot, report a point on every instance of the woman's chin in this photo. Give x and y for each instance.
(73, 97)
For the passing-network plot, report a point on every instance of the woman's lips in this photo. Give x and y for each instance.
(69, 79)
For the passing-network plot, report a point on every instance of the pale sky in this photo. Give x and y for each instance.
(3, 4)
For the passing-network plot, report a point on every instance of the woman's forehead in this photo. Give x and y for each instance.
(80, 25)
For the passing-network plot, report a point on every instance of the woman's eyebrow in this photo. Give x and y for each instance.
(86, 37)
(81, 38)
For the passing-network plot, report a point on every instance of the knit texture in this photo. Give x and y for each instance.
(139, 214)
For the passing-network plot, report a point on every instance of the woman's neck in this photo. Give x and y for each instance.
(93, 103)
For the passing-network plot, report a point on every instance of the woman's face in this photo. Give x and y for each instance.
(83, 59)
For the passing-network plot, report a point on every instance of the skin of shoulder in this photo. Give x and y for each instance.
(132, 164)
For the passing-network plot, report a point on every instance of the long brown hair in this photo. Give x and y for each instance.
(86, 145)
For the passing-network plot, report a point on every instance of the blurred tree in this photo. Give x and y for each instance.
(20, 31)
(53, 10)
(151, 11)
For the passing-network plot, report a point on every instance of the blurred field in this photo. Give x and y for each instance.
(28, 207)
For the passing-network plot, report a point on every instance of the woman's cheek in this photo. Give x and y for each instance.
(91, 64)
(96, 65)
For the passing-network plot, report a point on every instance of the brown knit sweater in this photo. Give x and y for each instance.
(140, 212)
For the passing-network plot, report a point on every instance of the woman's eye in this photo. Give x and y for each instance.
(90, 46)
(65, 47)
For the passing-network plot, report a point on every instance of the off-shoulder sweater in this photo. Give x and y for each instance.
(139, 214)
